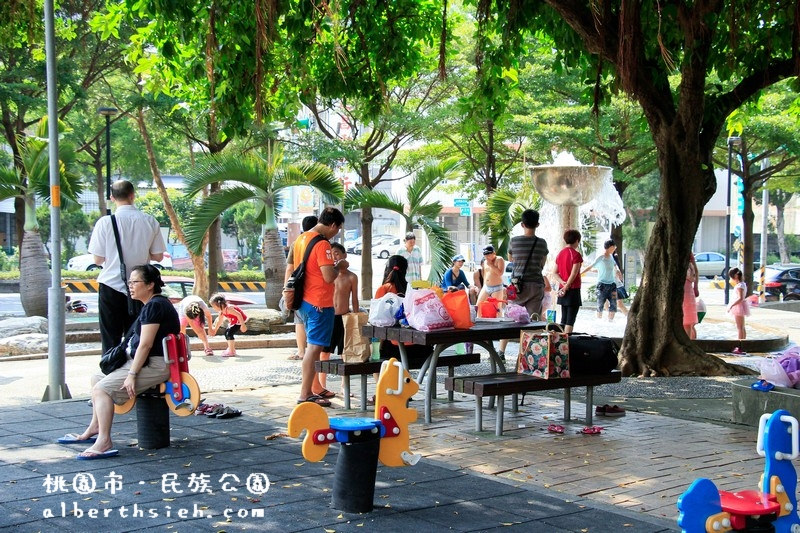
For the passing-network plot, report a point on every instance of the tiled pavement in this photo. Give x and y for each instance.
(626, 479)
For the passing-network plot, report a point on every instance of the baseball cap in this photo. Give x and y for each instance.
(410, 236)
(488, 250)
(458, 257)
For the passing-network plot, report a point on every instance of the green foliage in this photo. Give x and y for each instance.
(74, 226)
(9, 262)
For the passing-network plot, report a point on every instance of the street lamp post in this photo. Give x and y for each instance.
(731, 142)
(109, 112)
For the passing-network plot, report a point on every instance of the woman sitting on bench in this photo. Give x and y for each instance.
(147, 369)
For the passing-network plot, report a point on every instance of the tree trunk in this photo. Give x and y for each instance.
(198, 262)
(748, 218)
(780, 223)
(366, 254)
(655, 342)
(274, 267)
(99, 178)
(34, 276)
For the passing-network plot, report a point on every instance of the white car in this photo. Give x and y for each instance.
(86, 262)
(386, 248)
(710, 264)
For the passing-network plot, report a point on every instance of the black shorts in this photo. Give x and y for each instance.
(337, 338)
(231, 331)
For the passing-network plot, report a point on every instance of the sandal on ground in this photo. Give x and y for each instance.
(319, 400)
(209, 352)
(371, 401)
(762, 385)
(325, 393)
(555, 428)
(591, 430)
(229, 412)
(609, 410)
(295, 357)
(216, 411)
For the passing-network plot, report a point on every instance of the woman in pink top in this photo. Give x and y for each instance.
(568, 276)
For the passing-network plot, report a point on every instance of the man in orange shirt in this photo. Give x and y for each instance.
(316, 311)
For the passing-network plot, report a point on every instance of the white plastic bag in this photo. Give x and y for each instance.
(772, 371)
(425, 312)
(383, 310)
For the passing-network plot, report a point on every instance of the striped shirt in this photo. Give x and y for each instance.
(520, 249)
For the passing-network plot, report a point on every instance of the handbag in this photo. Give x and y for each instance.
(544, 353)
(133, 307)
(357, 348)
(592, 354)
(295, 285)
(117, 356)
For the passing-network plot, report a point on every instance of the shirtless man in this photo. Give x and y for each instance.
(493, 268)
(345, 294)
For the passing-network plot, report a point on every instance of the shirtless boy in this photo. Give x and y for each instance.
(493, 268)
(345, 294)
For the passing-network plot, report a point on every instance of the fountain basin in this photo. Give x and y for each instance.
(572, 185)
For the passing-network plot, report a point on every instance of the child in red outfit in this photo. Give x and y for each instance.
(236, 322)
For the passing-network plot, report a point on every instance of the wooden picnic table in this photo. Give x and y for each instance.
(483, 333)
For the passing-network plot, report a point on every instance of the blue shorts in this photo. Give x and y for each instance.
(318, 323)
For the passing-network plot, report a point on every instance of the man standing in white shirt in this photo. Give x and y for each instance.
(140, 241)
(413, 255)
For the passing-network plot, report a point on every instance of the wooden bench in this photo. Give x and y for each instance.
(501, 385)
(340, 368)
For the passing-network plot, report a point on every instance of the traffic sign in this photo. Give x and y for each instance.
(466, 211)
(460, 202)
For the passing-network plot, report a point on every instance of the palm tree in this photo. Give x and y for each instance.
(417, 211)
(504, 209)
(253, 178)
(28, 181)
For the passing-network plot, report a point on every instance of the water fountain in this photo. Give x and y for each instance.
(573, 192)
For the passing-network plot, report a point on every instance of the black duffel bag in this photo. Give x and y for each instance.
(591, 354)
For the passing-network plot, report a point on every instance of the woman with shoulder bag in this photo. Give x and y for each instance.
(146, 369)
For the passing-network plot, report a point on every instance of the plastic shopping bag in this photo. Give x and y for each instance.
(517, 313)
(457, 305)
(772, 371)
(383, 310)
(425, 311)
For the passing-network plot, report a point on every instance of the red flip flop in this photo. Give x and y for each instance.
(591, 430)
(555, 428)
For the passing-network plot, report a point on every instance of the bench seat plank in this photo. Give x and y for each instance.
(339, 368)
(501, 385)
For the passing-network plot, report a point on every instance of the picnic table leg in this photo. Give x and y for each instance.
(346, 391)
(494, 362)
(450, 374)
(401, 348)
(567, 404)
(478, 413)
(514, 407)
(498, 430)
(431, 386)
(363, 392)
(589, 404)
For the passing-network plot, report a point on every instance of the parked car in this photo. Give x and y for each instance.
(350, 245)
(507, 273)
(710, 264)
(781, 282)
(176, 288)
(86, 262)
(386, 248)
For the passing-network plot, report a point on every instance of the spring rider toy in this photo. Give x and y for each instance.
(363, 441)
(704, 508)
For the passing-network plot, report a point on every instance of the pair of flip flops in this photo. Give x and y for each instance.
(74, 438)
(591, 430)
(217, 410)
(317, 399)
(325, 393)
(91, 456)
(555, 428)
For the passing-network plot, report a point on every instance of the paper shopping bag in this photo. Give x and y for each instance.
(357, 348)
(544, 353)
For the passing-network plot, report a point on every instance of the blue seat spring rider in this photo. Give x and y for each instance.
(704, 508)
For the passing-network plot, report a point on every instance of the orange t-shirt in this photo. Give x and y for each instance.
(316, 291)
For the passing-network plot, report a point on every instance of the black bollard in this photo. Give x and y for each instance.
(356, 466)
(152, 420)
